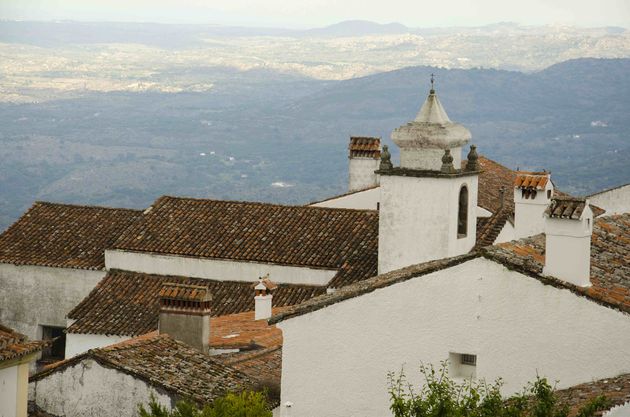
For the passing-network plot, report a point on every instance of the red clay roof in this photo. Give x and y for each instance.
(168, 363)
(616, 390)
(15, 345)
(364, 147)
(288, 235)
(64, 235)
(236, 331)
(127, 303)
(610, 259)
(531, 180)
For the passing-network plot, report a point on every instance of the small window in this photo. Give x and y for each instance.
(462, 213)
(548, 194)
(462, 365)
(57, 350)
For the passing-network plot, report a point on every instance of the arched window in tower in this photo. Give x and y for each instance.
(462, 213)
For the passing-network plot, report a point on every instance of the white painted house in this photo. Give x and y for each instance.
(50, 259)
(614, 200)
(16, 353)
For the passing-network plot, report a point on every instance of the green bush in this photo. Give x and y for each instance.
(245, 404)
(441, 396)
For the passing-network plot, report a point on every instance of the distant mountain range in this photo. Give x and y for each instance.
(264, 135)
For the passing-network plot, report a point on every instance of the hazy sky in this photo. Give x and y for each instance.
(309, 13)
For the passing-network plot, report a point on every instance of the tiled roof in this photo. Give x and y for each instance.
(616, 390)
(531, 180)
(288, 235)
(610, 260)
(160, 360)
(127, 303)
(492, 179)
(241, 331)
(265, 365)
(15, 345)
(184, 292)
(63, 235)
(364, 147)
(566, 208)
(489, 228)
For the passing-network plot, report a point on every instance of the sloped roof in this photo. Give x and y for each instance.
(287, 235)
(241, 331)
(615, 389)
(127, 303)
(531, 180)
(489, 228)
(610, 260)
(14, 345)
(165, 362)
(64, 235)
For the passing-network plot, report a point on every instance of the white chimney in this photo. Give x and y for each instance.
(364, 155)
(185, 314)
(532, 194)
(568, 229)
(263, 298)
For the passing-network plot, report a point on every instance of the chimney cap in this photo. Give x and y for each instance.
(264, 283)
(566, 208)
(185, 292)
(531, 180)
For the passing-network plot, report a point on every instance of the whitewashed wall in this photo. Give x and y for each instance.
(507, 234)
(31, 296)
(78, 343)
(361, 200)
(418, 219)
(88, 389)
(614, 201)
(361, 173)
(528, 212)
(619, 411)
(8, 391)
(214, 268)
(516, 326)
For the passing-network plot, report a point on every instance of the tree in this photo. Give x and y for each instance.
(441, 396)
(245, 404)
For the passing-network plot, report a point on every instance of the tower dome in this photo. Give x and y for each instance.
(422, 141)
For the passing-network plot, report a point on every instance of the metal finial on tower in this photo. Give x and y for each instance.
(432, 84)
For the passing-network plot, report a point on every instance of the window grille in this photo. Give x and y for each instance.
(467, 359)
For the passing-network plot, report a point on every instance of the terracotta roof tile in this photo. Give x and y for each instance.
(288, 235)
(184, 292)
(489, 228)
(566, 208)
(63, 235)
(610, 259)
(127, 303)
(531, 180)
(168, 363)
(237, 331)
(364, 147)
(15, 345)
(264, 365)
(616, 390)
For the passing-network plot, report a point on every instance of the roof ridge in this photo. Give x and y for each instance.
(261, 203)
(88, 206)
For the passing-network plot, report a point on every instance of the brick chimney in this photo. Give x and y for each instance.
(364, 155)
(263, 298)
(185, 314)
(568, 229)
(532, 195)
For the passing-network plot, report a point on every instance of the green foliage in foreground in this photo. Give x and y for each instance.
(440, 396)
(245, 404)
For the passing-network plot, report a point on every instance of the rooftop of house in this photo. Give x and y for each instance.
(264, 365)
(610, 259)
(616, 390)
(14, 345)
(162, 361)
(610, 269)
(242, 231)
(241, 331)
(64, 235)
(127, 303)
(364, 147)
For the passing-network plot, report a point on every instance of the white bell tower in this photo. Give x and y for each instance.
(428, 204)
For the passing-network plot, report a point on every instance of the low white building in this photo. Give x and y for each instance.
(16, 353)
(50, 259)
(491, 315)
(614, 200)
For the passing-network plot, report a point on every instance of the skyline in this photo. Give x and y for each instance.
(316, 13)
